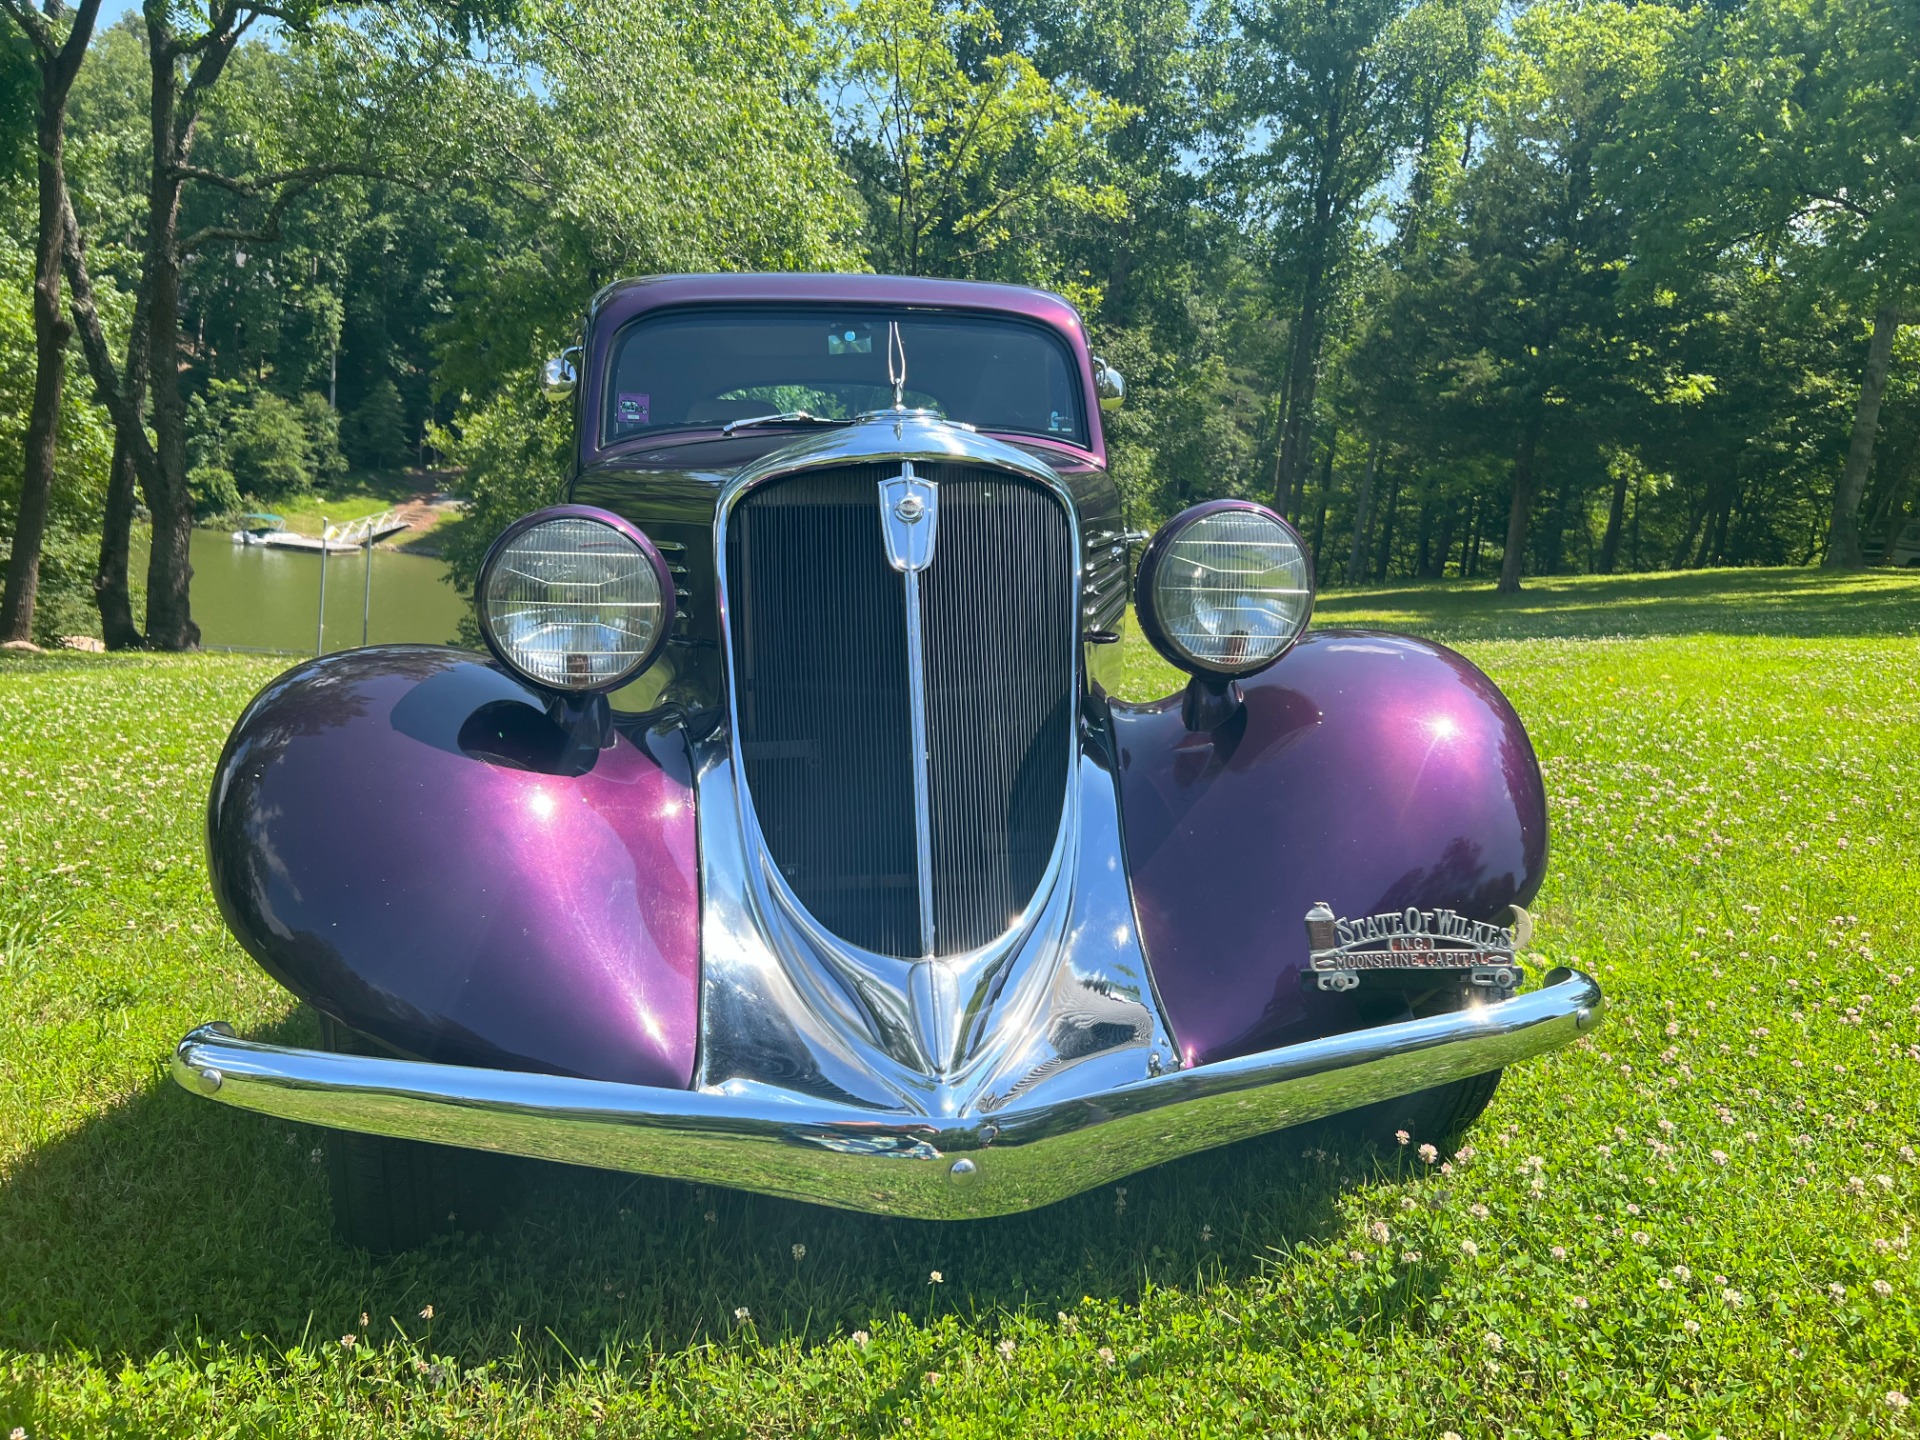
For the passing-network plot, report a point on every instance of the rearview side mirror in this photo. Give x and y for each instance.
(1109, 384)
(559, 377)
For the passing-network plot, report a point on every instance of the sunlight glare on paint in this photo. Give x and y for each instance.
(541, 804)
(1444, 727)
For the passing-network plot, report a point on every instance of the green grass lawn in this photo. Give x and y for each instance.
(1699, 1220)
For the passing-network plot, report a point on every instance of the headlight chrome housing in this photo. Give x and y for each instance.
(1224, 589)
(574, 600)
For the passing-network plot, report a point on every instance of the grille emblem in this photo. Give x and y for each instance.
(910, 517)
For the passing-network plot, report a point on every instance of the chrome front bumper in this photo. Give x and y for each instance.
(1012, 1159)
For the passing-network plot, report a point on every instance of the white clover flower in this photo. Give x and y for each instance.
(426, 1312)
(1428, 1154)
(743, 1314)
(1641, 1237)
(861, 1338)
(1719, 1156)
(1692, 1327)
(1106, 1354)
(1479, 1212)
(1579, 1302)
(1379, 1232)
(1493, 1341)
(1896, 1400)
(934, 1277)
(1402, 1136)
(1731, 1296)
(347, 1342)
(1558, 1252)
(1006, 1349)
(1469, 1249)
(1882, 1289)
(799, 1252)
(1837, 1290)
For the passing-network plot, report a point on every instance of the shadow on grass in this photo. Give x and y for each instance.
(1786, 602)
(168, 1219)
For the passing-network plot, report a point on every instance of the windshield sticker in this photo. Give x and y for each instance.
(849, 341)
(632, 409)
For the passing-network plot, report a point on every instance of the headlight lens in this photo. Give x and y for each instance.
(575, 599)
(1225, 588)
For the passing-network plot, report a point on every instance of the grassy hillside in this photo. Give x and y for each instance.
(1698, 1220)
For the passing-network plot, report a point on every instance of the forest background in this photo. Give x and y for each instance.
(1465, 289)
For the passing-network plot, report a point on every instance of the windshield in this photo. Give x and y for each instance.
(708, 367)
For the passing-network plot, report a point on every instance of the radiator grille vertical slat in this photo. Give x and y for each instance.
(819, 650)
(999, 605)
(820, 657)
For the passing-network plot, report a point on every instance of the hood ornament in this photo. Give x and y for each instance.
(897, 364)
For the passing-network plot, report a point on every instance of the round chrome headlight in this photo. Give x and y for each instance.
(574, 599)
(1225, 588)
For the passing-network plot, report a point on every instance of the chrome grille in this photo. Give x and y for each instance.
(818, 625)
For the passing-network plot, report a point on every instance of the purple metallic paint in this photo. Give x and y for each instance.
(457, 907)
(1371, 771)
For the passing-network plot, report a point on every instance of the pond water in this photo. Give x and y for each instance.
(255, 598)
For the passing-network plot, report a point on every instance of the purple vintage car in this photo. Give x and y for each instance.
(790, 836)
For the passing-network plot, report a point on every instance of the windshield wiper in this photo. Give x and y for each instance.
(785, 417)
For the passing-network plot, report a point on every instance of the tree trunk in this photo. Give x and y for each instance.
(1423, 534)
(1616, 522)
(1444, 549)
(1303, 365)
(1515, 556)
(1843, 526)
(110, 588)
(50, 335)
(1470, 542)
(1384, 558)
(169, 570)
(1360, 517)
(1325, 496)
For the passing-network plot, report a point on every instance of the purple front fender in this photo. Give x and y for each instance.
(1374, 772)
(398, 837)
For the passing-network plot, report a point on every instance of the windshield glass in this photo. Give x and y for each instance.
(707, 367)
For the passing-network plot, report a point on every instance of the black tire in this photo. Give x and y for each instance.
(1436, 1117)
(392, 1195)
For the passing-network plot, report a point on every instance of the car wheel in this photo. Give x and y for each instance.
(395, 1195)
(1437, 1116)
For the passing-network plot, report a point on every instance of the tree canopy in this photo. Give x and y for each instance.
(1464, 291)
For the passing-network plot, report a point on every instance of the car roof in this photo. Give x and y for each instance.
(624, 299)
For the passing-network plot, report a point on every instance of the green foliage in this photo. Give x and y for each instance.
(969, 158)
(374, 435)
(248, 443)
(85, 445)
(19, 102)
(514, 452)
(1702, 776)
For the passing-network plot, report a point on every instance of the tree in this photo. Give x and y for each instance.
(57, 58)
(183, 70)
(1330, 98)
(968, 156)
(1790, 124)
